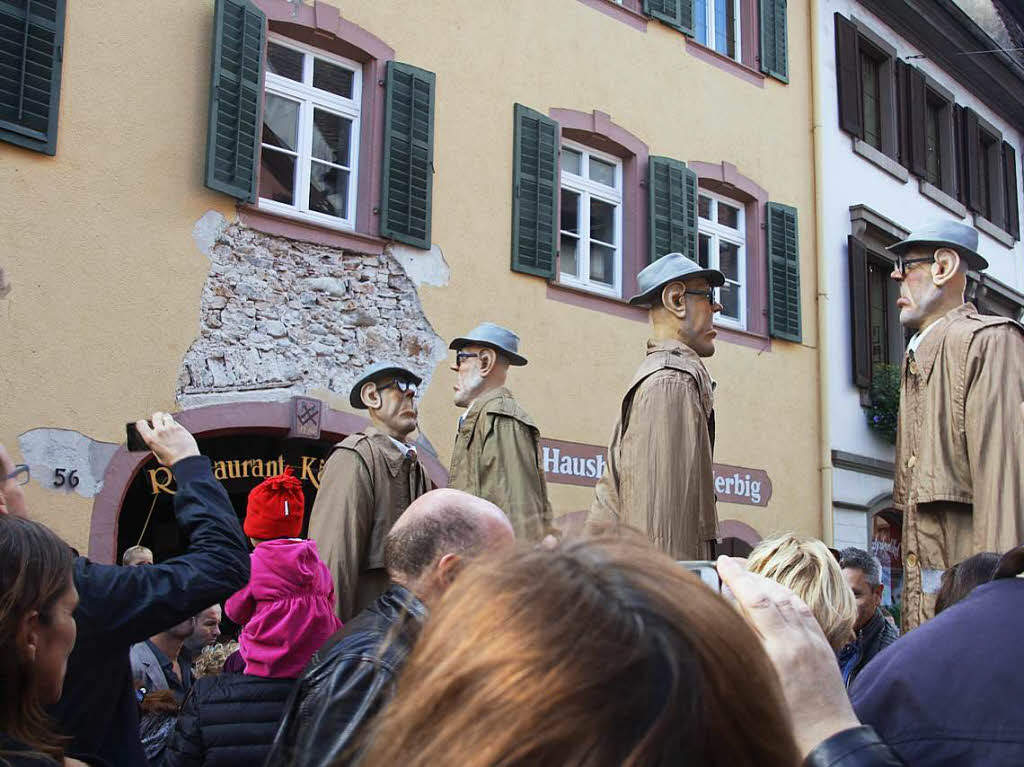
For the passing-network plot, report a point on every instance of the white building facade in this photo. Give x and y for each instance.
(921, 121)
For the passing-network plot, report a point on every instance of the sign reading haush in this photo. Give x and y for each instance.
(574, 463)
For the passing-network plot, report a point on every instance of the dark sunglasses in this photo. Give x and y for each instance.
(21, 474)
(461, 357)
(902, 263)
(402, 384)
(711, 294)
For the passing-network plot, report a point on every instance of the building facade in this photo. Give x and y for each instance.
(922, 116)
(229, 209)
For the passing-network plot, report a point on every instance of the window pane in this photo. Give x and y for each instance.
(280, 122)
(700, 18)
(729, 260)
(568, 249)
(602, 221)
(284, 61)
(328, 190)
(332, 78)
(728, 215)
(331, 137)
(277, 176)
(704, 207)
(703, 250)
(721, 26)
(729, 298)
(878, 313)
(572, 161)
(870, 94)
(602, 172)
(602, 264)
(570, 212)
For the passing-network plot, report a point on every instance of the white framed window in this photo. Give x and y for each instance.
(590, 249)
(717, 25)
(722, 245)
(309, 154)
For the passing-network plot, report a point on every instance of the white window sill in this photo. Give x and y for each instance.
(883, 161)
(936, 195)
(306, 217)
(993, 231)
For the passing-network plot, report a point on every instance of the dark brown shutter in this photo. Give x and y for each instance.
(959, 160)
(860, 322)
(973, 159)
(902, 123)
(1012, 203)
(848, 77)
(917, 108)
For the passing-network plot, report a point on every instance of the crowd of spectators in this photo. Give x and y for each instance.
(589, 651)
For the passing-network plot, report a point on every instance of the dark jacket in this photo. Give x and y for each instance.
(874, 637)
(123, 605)
(347, 682)
(947, 693)
(227, 720)
(856, 747)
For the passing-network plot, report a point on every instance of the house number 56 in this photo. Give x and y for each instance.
(63, 477)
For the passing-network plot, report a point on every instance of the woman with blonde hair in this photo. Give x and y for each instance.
(600, 653)
(808, 568)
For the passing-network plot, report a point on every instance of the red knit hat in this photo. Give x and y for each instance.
(275, 508)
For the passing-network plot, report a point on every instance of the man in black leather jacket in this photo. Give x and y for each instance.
(353, 675)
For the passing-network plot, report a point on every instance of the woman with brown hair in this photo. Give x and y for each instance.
(601, 652)
(37, 633)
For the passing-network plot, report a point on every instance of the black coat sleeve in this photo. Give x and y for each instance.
(185, 746)
(856, 747)
(125, 605)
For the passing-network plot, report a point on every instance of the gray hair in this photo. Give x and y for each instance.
(130, 553)
(411, 549)
(868, 564)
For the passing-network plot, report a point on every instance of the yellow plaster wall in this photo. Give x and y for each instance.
(97, 241)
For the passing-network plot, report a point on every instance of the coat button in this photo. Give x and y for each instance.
(913, 368)
(912, 462)
(911, 559)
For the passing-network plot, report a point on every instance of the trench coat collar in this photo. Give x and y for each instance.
(673, 346)
(393, 455)
(928, 349)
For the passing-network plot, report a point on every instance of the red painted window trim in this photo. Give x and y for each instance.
(320, 25)
(629, 12)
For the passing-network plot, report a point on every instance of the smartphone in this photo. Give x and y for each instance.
(135, 442)
(705, 570)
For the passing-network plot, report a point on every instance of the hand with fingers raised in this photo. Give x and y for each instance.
(169, 440)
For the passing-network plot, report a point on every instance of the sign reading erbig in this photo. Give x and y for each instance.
(574, 463)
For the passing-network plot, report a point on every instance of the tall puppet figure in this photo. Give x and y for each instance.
(368, 481)
(959, 444)
(497, 446)
(658, 478)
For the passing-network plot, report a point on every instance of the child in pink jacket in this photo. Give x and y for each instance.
(288, 607)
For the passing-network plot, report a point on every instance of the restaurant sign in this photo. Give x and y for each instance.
(574, 463)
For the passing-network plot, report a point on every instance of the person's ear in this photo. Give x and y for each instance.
(27, 641)
(370, 396)
(946, 266)
(673, 298)
(448, 567)
(488, 359)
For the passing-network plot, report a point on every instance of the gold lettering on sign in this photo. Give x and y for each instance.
(160, 480)
(308, 466)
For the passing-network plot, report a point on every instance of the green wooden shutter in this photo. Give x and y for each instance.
(783, 273)
(860, 322)
(672, 192)
(535, 190)
(774, 46)
(848, 76)
(236, 98)
(408, 154)
(31, 49)
(675, 13)
(1012, 203)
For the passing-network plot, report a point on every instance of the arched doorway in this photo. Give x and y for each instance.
(738, 538)
(885, 535)
(246, 442)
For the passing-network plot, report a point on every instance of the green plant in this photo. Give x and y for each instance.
(884, 395)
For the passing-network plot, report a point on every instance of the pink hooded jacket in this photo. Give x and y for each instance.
(287, 608)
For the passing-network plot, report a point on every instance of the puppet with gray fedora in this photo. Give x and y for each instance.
(959, 443)
(658, 477)
(368, 481)
(497, 446)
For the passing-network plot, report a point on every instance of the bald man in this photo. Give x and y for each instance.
(352, 676)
